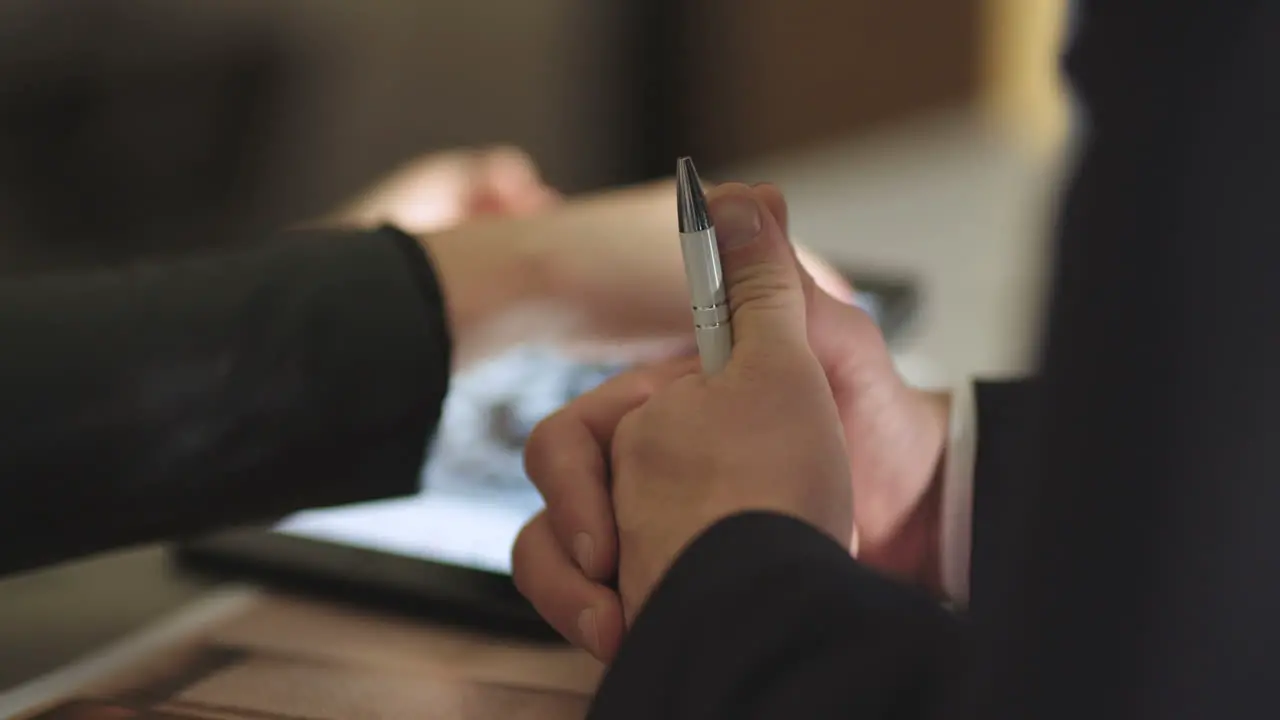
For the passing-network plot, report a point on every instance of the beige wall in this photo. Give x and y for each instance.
(776, 76)
(780, 76)
(382, 80)
(403, 76)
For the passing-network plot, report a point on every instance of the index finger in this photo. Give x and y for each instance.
(566, 458)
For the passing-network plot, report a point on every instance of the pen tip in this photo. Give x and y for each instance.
(691, 203)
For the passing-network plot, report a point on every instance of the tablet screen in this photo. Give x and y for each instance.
(475, 496)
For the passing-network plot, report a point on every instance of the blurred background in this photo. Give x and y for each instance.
(920, 141)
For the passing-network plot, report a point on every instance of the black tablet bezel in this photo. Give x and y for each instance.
(438, 591)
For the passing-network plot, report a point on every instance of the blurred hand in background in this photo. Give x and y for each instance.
(440, 190)
(598, 275)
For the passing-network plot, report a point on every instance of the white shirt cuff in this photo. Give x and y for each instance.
(955, 527)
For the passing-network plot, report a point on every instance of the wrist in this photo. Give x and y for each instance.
(491, 283)
(606, 273)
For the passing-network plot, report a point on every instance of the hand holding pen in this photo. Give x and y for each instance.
(636, 468)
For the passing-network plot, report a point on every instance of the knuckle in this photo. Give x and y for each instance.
(864, 327)
(626, 439)
(672, 371)
(540, 448)
(780, 368)
(716, 191)
(639, 383)
(520, 554)
(760, 284)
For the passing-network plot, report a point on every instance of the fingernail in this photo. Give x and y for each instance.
(590, 634)
(584, 551)
(738, 222)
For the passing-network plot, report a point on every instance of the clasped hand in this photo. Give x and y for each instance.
(809, 419)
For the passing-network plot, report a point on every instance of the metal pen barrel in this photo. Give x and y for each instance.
(701, 254)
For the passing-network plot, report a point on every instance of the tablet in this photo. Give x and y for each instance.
(446, 551)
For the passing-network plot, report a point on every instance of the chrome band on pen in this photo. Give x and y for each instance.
(710, 316)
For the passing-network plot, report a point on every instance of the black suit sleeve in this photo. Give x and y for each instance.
(172, 398)
(765, 617)
(1144, 554)
(1004, 411)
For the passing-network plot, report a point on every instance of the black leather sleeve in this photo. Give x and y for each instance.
(765, 617)
(168, 399)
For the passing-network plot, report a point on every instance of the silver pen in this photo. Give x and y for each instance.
(711, 326)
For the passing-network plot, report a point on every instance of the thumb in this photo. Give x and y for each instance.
(763, 283)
